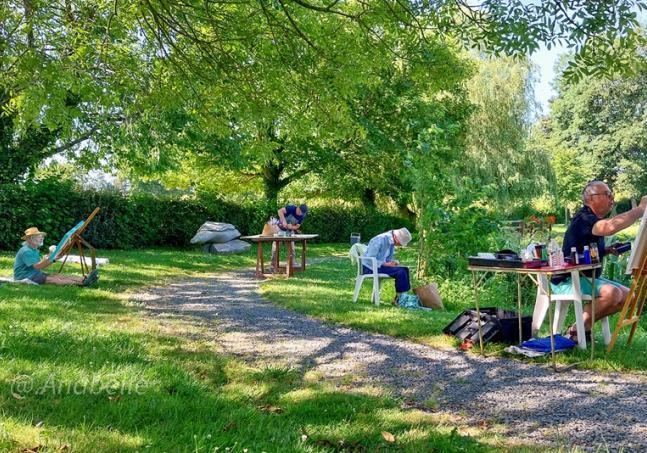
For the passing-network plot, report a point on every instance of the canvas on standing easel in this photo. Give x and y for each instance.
(635, 303)
(73, 240)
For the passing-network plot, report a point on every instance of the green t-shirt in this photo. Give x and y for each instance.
(23, 267)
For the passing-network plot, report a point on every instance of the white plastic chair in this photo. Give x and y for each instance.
(356, 255)
(561, 308)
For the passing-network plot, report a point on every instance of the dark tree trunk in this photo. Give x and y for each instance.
(368, 197)
(19, 156)
(271, 194)
(407, 213)
(273, 183)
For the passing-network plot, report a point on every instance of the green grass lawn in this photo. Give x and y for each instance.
(325, 291)
(85, 370)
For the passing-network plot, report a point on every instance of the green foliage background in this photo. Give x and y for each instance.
(143, 220)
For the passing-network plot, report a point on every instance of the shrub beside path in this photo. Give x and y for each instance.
(526, 402)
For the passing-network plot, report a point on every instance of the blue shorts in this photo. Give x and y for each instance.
(39, 277)
(566, 287)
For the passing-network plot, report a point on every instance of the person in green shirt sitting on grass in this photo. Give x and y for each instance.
(29, 265)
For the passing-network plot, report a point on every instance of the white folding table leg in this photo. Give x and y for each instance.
(539, 312)
(579, 323)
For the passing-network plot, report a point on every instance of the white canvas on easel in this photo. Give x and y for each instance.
(639, 247)
(635, 302)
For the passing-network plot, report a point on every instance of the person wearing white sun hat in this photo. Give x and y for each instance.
(382, 248)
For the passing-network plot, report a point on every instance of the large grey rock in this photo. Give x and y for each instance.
(235, 246)
(215, 232)
(216, 226)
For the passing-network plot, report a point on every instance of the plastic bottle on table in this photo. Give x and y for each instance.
(553, 253)
(587, 255)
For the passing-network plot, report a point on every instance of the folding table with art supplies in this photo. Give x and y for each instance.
(281, 239)
(635, 302)
(481, 266)
(73, 240)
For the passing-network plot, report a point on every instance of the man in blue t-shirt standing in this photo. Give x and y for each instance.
(291, 218)
(28, 264)
(589, 226)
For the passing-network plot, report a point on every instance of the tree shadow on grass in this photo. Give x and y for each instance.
(41, 304)
(195, 400)
(550, 404)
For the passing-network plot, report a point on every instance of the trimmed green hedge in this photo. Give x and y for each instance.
(138, 221)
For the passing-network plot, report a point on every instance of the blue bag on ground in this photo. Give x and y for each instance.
(543, 344)
(409, 301)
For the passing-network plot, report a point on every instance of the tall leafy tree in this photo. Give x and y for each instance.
(498, 160)
(80, 69)
(597, 130)
(68, 68)
(604, 35)
(353, 110)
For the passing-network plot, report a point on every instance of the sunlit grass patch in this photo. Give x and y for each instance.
(84, 370)
(325, 291)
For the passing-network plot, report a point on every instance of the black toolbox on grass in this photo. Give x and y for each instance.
(497, 325)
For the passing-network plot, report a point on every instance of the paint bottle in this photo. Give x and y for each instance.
(595, 254)
(574, 258)
(587, 255)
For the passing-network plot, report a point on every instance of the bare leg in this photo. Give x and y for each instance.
(58, 279)
(273, 257)
(610, 301)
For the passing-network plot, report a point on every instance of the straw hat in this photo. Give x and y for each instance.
(403, 236)
(33, 231)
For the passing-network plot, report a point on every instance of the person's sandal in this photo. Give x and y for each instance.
(395, 300)
(571, 333)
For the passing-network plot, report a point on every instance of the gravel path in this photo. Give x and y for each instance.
(531, 403)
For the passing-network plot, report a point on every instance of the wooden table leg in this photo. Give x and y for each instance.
(288, 267)
(519, 307)
(259, 259)
(277, 260)
(478, 310)
(303, 254)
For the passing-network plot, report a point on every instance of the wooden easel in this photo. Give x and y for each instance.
(635, 303)
(78, 243)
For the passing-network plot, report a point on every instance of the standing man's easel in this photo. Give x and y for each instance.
(635, 303)
(74, 240)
